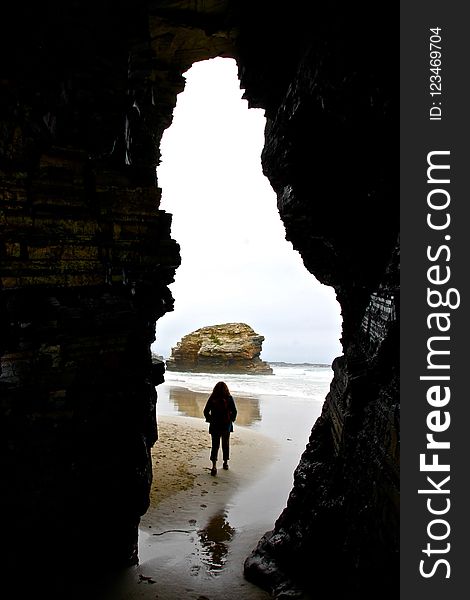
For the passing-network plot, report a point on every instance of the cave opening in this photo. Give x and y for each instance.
(236, 263)
(236, 266)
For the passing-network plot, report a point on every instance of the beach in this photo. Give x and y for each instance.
(180, 460)
(199, 529)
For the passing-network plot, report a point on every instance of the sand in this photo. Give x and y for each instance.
(199, 529)
(180, 458)
(176, 457)
(190, 547)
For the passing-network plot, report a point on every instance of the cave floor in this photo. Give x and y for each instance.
(194, 540)
(193, 543)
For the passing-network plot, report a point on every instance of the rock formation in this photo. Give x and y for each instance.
(227, 348)
(86, 257)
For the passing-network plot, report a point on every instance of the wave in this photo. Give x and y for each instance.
(289, 380)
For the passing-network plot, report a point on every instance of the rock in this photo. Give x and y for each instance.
(158, 369)
(227, 348)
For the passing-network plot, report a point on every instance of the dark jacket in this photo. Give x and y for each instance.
(221, 418)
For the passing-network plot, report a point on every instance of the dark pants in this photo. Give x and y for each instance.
(225, 435)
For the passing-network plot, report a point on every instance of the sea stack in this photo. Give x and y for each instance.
(226, 348)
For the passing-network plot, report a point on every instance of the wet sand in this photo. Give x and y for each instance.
(180, 460)
(188, 548)
(199, 529)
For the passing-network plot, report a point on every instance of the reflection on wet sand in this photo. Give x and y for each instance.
(191, 404)
(213, 547)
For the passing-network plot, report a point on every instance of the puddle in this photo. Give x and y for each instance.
(214, 543)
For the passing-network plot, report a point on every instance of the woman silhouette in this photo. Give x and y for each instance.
(220, 411)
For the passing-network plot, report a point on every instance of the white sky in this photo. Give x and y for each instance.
(236, 264)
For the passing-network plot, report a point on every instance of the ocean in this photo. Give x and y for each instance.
(293, 380)
(286, 403)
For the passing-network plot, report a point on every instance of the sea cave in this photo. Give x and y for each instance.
(86, 257)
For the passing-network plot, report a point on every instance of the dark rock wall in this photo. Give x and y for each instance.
(331, 156)
(87, 88)
(86, 257)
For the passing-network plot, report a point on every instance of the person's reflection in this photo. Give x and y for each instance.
(192, 404)
(213, 538)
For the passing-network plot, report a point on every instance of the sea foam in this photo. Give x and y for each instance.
(291, 380)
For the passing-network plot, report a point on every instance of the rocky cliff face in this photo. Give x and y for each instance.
(227, 348)
(332, 121)
(86, 256)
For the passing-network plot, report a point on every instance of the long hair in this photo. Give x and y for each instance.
(220, 392)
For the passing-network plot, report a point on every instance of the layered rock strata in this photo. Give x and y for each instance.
(86, 256)
(227, 348)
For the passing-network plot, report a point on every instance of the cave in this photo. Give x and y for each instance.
(86, 257)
